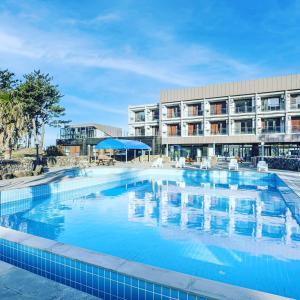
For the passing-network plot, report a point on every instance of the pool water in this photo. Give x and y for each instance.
(236, 230)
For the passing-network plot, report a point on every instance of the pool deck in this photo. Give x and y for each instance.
(19, 284)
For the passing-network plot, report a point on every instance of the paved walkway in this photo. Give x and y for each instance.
(19, 284)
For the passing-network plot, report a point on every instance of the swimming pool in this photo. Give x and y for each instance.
(226, 226)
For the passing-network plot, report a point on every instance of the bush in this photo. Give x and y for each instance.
(54, 151)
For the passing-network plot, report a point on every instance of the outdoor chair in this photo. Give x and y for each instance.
(158, 163)
(262, 166)
(180, 163)
(233, 164)
(205, 164)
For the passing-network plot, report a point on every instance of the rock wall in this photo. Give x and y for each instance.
(67, 161)
(282, 163)
(16, 167)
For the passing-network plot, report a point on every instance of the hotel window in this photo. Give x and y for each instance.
(218, 128)
(140, 131)
(155, 114)
(195, 110)
(173, 111)
(140, 116)
(272, 103)
(243, 106)
(155, 130)
(243, 126)
(218, 108)
(295, 101)
(174, 130)
(295, 124)
(273, 125)
(195, 129)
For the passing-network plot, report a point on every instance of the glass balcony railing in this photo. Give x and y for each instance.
(173, 114)
(140, 118)
(195, 113)
(244, 130)
(155, 117)
(219, 131)
(295, 106)
(268, 107)
(218, 111)
(196, 132)
(273, 129)
(177, 133)
(295, 128)
(244, 109)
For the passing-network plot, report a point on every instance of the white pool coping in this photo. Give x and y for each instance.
(191, 284)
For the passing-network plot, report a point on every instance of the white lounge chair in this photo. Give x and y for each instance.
(233, 164)
(180, 163)
(158, 163)
(262, 166)
(205, 164)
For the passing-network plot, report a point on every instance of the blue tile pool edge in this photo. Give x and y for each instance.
(110, 277)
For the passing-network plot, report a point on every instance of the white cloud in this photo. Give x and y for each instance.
(98, 20)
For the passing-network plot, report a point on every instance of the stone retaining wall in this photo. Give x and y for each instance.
(67, 161)
(14, 167)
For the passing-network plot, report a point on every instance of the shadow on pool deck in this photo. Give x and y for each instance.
(19, 284)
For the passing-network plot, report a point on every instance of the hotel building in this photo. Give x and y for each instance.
(245, 119)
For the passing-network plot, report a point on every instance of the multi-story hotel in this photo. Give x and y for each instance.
(241, 119)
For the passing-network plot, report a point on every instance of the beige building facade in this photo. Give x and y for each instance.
(241, 119)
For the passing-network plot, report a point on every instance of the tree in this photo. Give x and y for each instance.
(7, 80)
(40, 100)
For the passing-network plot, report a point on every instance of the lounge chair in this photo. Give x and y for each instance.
(180, 163)
(262, 166)
(205, 164)
(233, 164)
(158, 163)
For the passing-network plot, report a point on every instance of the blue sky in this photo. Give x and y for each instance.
(107, 54)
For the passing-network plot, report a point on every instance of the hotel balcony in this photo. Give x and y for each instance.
(218, 109)
(140, 131)
(195, 110)
(219, 131)
(295, 129)
(174, 130)
(244, 109)
(272, 104)
(244, 130)
(139, 116)
(272, 129)
(173, 112)
(295, 105)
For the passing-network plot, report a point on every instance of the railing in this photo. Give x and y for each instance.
(244, 130)
(220, 131)
(198, 112)
(177, 133)
(295, 106)
(267, 107)
(215, 111)
(244, 109)
(295, 128)
(155, 117)
(273, 129)
(140, 132)
(196, 132)
(140, 119)
(173, 114)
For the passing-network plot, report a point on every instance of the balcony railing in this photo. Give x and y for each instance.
(244, 109)
(196, 132)
(155, 117)
(244, 130)
(267, 107)
(295, 128)
(177, 133)
(295, 106)
(173, 114)
(195, 112)
(218, 111)
(273, 129)
(140, 119)
(219, 131)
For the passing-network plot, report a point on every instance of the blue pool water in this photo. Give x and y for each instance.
(227, 227)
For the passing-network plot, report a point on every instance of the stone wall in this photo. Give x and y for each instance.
(16, 167)
(67, 161)
(282, 163)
